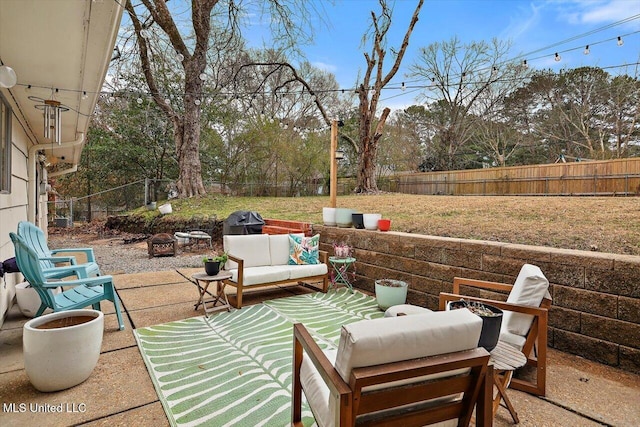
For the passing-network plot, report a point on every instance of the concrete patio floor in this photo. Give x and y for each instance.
(120, 391)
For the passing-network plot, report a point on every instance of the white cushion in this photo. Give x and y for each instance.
(529, 289)
(279, 247)
(405, 309)
(317, 392)
(299, 271)
(252, 248)
(393, 339)
(262, 274)
(515, 340)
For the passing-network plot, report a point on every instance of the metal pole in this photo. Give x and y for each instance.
(333, 184)
(146, 191)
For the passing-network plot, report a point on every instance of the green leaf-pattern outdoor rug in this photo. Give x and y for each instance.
(234, 368)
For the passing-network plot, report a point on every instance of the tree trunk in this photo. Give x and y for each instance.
(187, 136)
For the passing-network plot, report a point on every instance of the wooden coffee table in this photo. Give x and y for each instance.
(203, 280)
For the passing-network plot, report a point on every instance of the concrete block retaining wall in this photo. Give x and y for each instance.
(596, 296)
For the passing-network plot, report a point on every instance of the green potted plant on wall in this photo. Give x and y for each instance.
(215, 263)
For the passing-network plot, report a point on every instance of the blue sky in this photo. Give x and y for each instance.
(530, 25)
(537, 29)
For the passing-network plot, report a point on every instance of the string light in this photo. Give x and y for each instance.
(524, 63)
(180, 57)
(203, 76)
(620, 41)
(557, 57)
(586, 50)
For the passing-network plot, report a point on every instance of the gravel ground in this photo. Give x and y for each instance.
(116, 257)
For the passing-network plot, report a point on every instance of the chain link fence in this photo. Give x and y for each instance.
(63, 211)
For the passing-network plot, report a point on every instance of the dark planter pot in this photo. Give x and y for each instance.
(212, 267)
(490, 324)
(358, 220)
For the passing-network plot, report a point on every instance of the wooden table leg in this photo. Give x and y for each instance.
(202, 290)
(500, 383)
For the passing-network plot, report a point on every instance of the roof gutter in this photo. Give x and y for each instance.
(32, 192)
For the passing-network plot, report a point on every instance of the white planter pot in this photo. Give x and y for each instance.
(371, 221)
(29, 300)
(59, 358)
(388, 296)
(344, 217)
(165, 209)
(329, 216)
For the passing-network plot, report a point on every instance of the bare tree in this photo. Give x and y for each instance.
(289, 17)
(466, 83)
(368, 90)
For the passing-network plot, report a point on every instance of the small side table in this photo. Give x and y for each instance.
(505, 359)
(219, 297)
(340, 273)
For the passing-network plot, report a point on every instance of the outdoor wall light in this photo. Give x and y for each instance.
(8, 78)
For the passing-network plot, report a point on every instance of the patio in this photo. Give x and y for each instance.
(120, 391)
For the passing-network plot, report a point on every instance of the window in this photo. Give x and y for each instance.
(5, 146)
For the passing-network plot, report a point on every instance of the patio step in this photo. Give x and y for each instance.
(277, 226)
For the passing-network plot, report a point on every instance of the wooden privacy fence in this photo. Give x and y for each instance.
(593, 178)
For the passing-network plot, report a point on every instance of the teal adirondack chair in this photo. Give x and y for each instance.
(34, 237)
(82, 293)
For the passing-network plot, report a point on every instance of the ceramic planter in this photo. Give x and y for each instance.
(384, 224)
(165, 209)
(390, 292)
(212, 267)
(29, 300)
(344, 217)
(62, 357)
(357, 220)
(371, 221)
(329, 216)
(491, 323)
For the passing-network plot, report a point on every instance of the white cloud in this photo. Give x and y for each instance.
(576, 12)
(325, 67)
(612, 11)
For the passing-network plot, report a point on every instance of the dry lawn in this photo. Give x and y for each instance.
(605, 224)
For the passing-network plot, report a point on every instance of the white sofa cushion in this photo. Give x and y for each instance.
(393, 339)
(262, 274)
(253, 249)
(530, 287)
(316, 390)
(299, 271)
(279, 247)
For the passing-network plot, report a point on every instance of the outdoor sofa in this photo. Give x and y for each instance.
(259, 260)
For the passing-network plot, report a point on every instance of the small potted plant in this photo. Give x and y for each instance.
(213, 265)
(491, 321)
(390, 292)
(341, 250)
